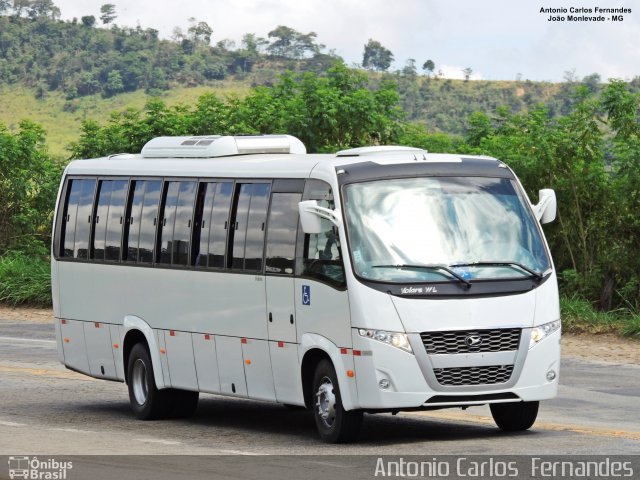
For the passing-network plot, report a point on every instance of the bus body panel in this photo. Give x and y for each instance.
(179, 353)
(257, 369)
(101, 361)
(281, 308)
(287, 378)
(323, 310)
(231, 366)
(206, 361)
(74, 346)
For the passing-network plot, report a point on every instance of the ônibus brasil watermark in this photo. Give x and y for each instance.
(32, 468)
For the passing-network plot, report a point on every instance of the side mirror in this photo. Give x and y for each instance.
(545, 210)
(311, 215)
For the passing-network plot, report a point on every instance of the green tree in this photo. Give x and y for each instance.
(108, 13)
(114, 83)
(467, 72)
(428, 67)
(376, 56)
(88, 21)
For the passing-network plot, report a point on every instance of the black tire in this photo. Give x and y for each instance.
(336, 425)
(183, 403)
(147, 402)
(514, 417)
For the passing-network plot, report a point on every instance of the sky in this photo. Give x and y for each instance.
(497, 39)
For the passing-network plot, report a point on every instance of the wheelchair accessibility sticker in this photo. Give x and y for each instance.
(306, 295)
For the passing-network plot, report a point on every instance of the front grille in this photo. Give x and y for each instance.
(465, 376)
(471, 341)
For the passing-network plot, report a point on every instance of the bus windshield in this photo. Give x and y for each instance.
(435, 229)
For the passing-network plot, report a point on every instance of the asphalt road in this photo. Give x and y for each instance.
(47, 410)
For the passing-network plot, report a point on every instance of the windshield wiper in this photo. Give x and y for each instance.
(533, 273)
(428, 267)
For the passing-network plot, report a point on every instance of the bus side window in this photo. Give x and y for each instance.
(77, 220)
(281, 234)
(319, 255)
(115, 220)
(175, 227)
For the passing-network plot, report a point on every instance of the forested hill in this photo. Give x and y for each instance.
(91, 57)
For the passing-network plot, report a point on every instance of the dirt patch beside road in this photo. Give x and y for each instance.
(26, 314)
(602, 347)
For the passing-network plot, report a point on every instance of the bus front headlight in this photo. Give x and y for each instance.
(395, 339)
(541, 332)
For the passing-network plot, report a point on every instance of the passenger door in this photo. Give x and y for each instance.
(280, 284)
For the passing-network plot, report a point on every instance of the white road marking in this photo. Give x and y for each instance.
(240, 452)
(72, 430)
(30, 340)
(155, 440)
(12, 424)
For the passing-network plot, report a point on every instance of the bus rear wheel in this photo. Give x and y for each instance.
(334, 423)
(514, 417)
(147, 402)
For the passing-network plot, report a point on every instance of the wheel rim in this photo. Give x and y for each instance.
(139, 381)
(326, 402)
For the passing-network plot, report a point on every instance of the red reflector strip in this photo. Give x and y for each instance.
(244, 340)
(207, 337)
(281, 344)
(172, 333)
(344, 351)
(96, 324)
(357, 353)
(63, 322)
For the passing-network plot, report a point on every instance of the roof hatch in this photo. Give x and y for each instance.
(220, 146)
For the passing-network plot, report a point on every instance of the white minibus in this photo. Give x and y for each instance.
(377, 279)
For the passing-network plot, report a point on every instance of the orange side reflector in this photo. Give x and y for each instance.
(344, 351)
(350, 373)
(244, 340)
(66, 340)
(172, 333)
(207, 336)
(115, 345)
(247, 361)
(163, 351)
(96, 324)
(281, 344)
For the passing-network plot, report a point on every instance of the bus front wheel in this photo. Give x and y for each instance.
(514, 417)
(334, 423)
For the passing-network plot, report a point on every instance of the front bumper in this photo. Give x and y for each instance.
(412, 382)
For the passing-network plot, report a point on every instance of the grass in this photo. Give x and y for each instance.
(63, 126)
(25, 280)
(579, 316)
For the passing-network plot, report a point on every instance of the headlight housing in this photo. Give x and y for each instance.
(395, 339)
(541, 332)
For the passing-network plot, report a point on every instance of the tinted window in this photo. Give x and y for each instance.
(210, 234)
(219, 223)
(132, 227)
(166, 227)
(176, 224)
(83, 221)
(68, 230)
(256, 223)
(282, 231)
(148, 221)
(115, 219)
(102, 212)
(239, 227)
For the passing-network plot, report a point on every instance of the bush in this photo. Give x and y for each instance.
(25, 280)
